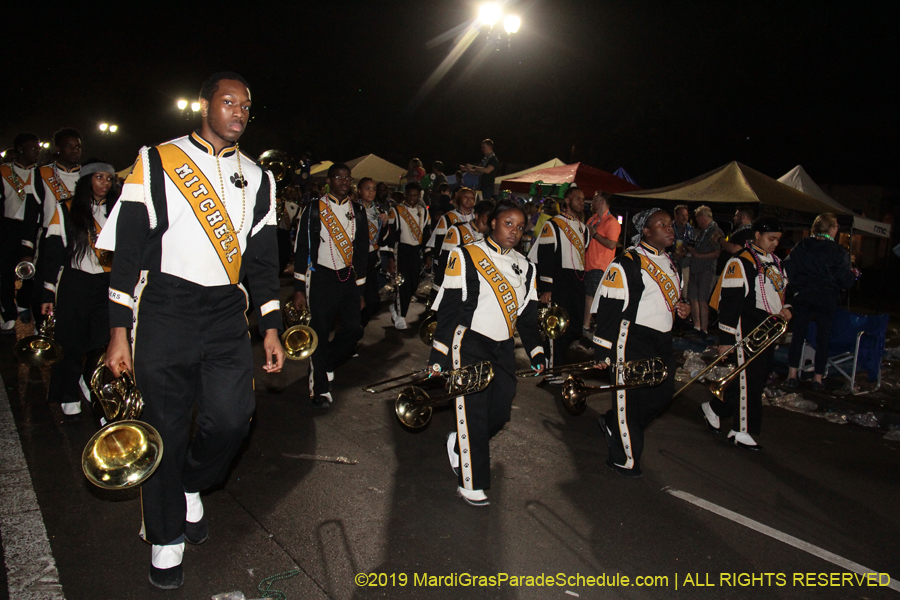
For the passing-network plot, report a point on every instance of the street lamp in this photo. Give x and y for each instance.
(511, 24)
(195, 106)
(181, 104)
(113, 128)
(489, 14)
(104, 126)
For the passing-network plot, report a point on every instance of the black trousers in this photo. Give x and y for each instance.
(812, 307)
(409, 264)
(82, 329)
(285, 248)
(329, 297)
(10, 256)
(743, 397)
(191, 346)
(568, 294)
(633, 410)
(373, 300)
(479, 417)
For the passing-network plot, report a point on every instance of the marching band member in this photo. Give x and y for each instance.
(410, 225)
(330, 263)
(76, 279)
(58, 179)
(21, 220)
(463, 213)
(559, 254)
(634, 305)
(488, 289)
(195, 217)
(751, 287)
(377, 218)
(459, 234)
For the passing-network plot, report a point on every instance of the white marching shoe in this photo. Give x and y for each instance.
(473, 497)
(711, 418)
(743, 440)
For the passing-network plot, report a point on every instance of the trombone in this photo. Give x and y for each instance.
(648, 372)
(588, 365)
(299, 339)
(125, 452)
(414, 407)
(764, 335)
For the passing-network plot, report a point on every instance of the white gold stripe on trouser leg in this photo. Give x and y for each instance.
(138, 292)
(742, 402)
(462, 428)
(312, 386)
(621, 414)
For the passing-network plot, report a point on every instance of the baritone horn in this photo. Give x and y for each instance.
(553, 321)
(125, 452)
(648, 372)
(42, 349)
(764, 335)
(299, 339)
(414, 407)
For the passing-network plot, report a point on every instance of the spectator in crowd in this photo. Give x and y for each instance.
(740, 235)
(415, 172)
(704, 250)
(486, 169)
(818, 269)
(437, 179)
(684, 233)
(604, 229)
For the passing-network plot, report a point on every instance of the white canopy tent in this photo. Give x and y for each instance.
(799, 179)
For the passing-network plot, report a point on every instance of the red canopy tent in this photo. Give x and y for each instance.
(588, 179)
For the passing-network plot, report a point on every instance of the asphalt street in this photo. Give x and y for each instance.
(351, 505)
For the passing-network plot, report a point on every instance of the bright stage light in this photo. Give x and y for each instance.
(511, 23)
(103, 126)
(489, 14)
(195, 106)
(182, 104)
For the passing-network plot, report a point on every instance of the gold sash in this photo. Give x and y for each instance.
(14, 181)
(573, 237)
(466, 234)
(56, 185)
(338, 236)
(667, 287)
(207, 206)
(373, 235)
(506, 297)
(411, 222)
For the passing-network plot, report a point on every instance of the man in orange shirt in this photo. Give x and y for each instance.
(604, 229)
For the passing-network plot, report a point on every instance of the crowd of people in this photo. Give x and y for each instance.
(193, 236)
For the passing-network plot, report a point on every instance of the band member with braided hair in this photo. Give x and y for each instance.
(330, 271)
(750, 289)
(488, 291)
(410, 224)
(635, 306)
(195, 218)
(76, 279)
(559, 255)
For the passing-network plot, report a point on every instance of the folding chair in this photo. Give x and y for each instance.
(857, 343)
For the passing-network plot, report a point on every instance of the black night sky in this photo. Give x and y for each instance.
(668, 90)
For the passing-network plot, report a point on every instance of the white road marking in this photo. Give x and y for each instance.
(30, 568)
(790, 540)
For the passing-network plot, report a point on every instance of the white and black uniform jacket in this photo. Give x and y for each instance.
(640, 288)
(487, 290)
(317, 245)
(53, 184)
(446, 221)
(58, 243)
(19, 203)
(409, 226)
(458, 234)
(172, 218)
(559, 247)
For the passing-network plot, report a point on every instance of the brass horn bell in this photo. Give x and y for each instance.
(299, 339)
(25, 270)
(40, 350)
(125, 452)
(553, 320)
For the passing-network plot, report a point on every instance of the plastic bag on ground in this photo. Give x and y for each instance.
(893, 435)
(868, 419)
(693, 364)
(795, 402)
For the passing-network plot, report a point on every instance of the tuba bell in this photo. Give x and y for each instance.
(299, 339)
(125, 452)
(553, 321)
(40, 350)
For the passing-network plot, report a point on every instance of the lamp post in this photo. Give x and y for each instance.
(188, 115)
(108, 128)
(489, 15)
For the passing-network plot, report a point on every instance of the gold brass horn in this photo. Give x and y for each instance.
(299, 339)
(40, 350)
(647, 372)
(426, 329)
(282, 166)
(589, 365)
(414, 407)
(764, 335)
(125, 452)
(25, 270)
(553, 320)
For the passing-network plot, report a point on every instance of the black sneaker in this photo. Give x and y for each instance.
(791, 383)
(167, 579)
(322, 401)
(196, 533)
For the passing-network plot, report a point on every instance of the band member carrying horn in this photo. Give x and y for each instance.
(635, 305)
(196, 216)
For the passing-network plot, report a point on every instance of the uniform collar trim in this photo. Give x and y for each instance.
(74, 169)
(759, 250)
(333, 198)
(205, 146)
(495, 246)
(650, 249)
